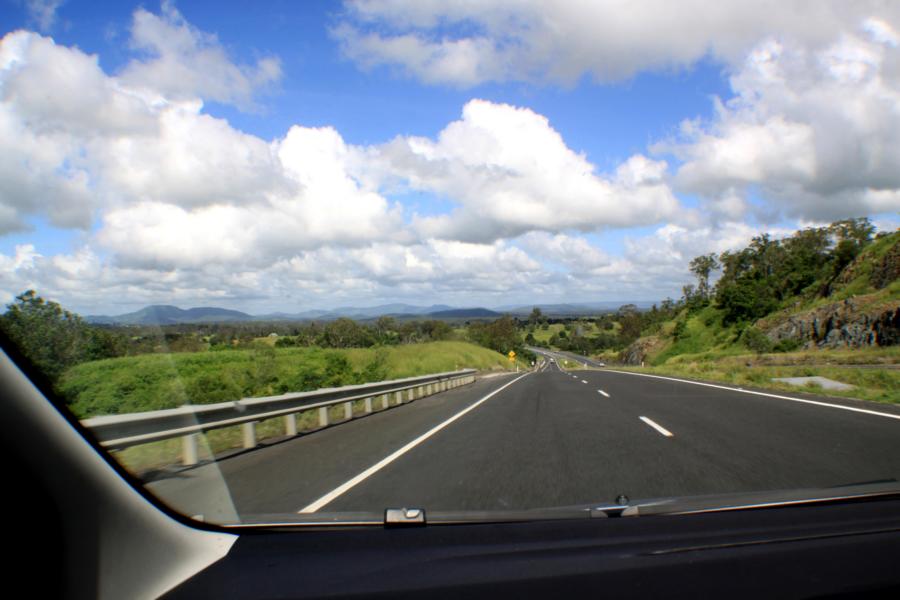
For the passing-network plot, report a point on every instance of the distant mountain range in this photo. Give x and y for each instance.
(161, 314)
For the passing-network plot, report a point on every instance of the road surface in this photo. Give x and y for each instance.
(557, 438)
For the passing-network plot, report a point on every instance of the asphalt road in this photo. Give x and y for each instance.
(555, 438)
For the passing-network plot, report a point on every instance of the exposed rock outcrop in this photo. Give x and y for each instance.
(844, 324)
(638, 351)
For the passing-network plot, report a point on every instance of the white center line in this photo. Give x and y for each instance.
(338, 491)
(583, 381)
(658, 428)
(603, 393)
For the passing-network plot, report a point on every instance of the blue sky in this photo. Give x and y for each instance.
(295, 156)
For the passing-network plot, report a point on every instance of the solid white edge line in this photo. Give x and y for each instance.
(341, 489)
(657, 427)
(604, 393)
(725, 387)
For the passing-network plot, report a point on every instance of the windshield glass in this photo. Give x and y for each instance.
(312, 262)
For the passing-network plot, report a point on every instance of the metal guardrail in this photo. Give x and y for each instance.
(187, 422)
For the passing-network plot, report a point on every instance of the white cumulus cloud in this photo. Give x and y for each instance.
(183, 62)
(465, 43)
(510, 172)
(814, 133)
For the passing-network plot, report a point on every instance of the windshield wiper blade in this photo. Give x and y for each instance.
(767, 499)
(622, 507)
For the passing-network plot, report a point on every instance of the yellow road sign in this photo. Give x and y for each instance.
(512, 355)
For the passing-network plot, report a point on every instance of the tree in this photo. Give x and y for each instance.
(536, 315)
(850, 236)
(345, 333)
(52, 338)
(500, 335)
(386, 330)
(702, 267)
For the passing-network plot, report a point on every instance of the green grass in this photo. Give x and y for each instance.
(155, 455)
(157, 381)
(542, 336)
(607, 356)
(702, 333)
(878, 385)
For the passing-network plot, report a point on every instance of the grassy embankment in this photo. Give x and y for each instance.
(706, 349)
(158, 381)
(702, 346)
(751, 370)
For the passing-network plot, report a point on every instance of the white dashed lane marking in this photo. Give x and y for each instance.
(662, 430)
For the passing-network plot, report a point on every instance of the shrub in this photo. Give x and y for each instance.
(788, 345)
(756, 340)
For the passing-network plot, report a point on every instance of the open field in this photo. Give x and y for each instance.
(542, 336)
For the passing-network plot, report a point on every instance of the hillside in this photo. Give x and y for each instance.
(856, 307)
(160, 314)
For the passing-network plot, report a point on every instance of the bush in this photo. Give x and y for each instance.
(338, 371)
(376, 369)
(756, 340)
(208, 388)
(788, 345)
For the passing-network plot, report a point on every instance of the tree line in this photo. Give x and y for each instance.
(55, 339)
(752, 283)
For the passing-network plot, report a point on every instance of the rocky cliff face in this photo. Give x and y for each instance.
(847, 324)
(638, 351)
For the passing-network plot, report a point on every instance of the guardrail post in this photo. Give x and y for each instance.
(290, 424)
(190, 455)
(348, 410)
(249, 434)
(384, 401)
(323, 416)
(368, 405)
(411, 394)
(398, 397)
